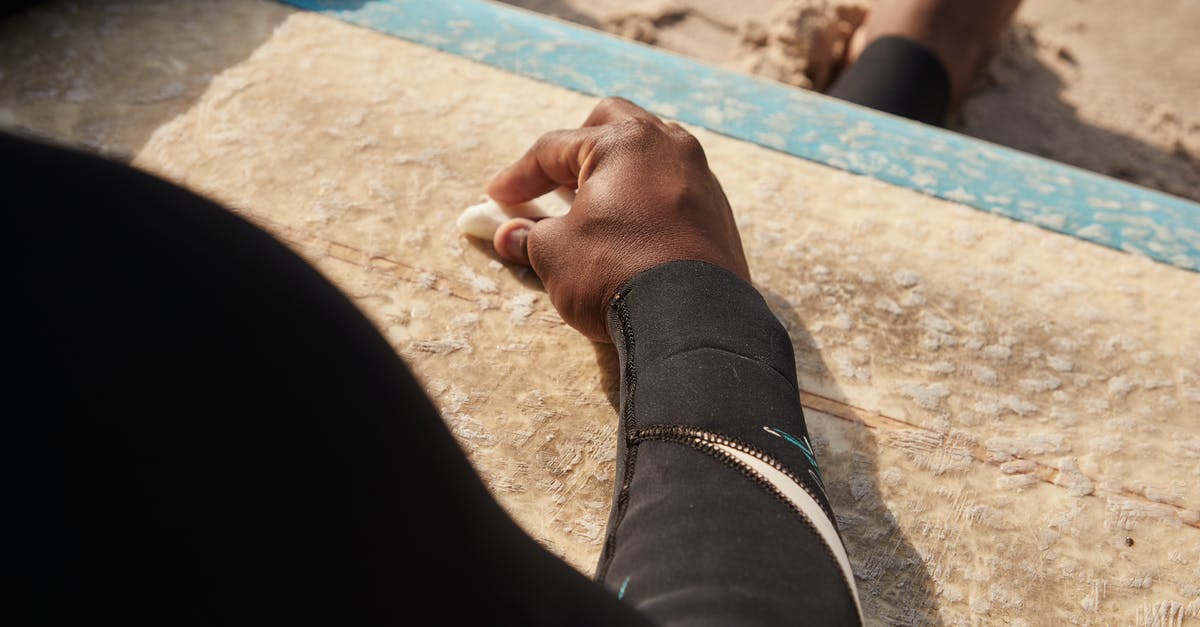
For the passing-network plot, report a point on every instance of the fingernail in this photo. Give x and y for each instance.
(516, 244)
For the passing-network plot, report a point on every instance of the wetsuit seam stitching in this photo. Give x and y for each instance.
(684, 351)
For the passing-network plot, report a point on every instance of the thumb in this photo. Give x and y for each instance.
(511, 240)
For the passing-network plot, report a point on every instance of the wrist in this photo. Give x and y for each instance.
(683, 305)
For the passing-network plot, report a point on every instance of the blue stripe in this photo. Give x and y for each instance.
(802, 123)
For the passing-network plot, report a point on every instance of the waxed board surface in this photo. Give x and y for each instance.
(996, 407)
(799, 122)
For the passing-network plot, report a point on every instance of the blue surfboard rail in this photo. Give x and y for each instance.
(799, 122)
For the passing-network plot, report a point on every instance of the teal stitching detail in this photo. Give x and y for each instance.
(801, 443)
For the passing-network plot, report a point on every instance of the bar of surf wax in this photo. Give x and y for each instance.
(483, 219)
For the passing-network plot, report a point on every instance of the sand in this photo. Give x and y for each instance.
(1104, 85)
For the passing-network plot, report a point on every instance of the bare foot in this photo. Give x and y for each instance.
(962, 33)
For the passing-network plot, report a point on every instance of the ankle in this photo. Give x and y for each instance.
(961, 33)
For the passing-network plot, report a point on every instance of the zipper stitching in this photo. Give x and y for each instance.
(683, 432)
(629, 421)
(706, 442)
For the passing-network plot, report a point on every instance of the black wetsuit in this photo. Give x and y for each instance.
(202, 429)
(899, 76)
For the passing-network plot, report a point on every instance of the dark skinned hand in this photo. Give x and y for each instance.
(644, 196)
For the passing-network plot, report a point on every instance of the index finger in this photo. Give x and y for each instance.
(556, 159)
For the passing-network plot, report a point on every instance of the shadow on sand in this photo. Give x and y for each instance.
(1020, 102)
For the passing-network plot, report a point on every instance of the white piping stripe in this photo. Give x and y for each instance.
(806, 504)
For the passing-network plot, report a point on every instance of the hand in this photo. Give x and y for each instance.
(644, 196)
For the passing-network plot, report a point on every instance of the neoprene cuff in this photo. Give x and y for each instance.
(682, 305)
(701, 351)
(713, 446)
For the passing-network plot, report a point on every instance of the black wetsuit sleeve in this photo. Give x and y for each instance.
(719, 514)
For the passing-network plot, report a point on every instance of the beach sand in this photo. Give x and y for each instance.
(1103, 85)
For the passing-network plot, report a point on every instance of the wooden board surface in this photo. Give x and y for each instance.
(997, 407)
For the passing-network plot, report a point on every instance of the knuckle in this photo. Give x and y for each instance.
(606, 109)
(539, 245)
(613, 102)
(688, 143)
(637, 131)
(547, 139)
(616, 104)
(616, 107)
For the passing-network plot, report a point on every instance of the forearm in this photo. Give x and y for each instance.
(714, 450)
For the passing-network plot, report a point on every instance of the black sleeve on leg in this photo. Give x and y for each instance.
(899, 76)
(707, 526)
